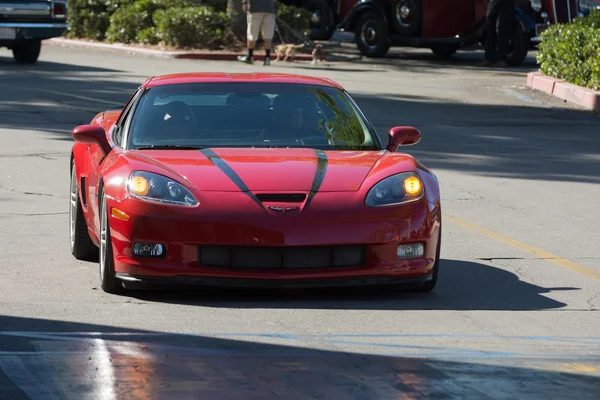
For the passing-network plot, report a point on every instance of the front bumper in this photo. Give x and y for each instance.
(408, 282)
(333, 219)
(14, 32)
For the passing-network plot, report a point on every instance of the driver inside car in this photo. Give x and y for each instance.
(295, 117)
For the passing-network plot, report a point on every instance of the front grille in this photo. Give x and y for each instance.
(305, 257)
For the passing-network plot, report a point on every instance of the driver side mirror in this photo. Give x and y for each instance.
(402, 136)
(92, 134)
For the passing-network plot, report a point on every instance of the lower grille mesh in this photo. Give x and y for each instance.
(305, 257)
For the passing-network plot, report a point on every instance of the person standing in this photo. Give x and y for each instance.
(500, 17)
(260, 15)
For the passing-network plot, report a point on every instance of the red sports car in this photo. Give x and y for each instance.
(265, 180)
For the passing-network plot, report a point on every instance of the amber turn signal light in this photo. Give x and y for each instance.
(139, 185)
(412, 186)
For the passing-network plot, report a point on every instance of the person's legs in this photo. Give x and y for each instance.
(506, 25)
(268, 31)
(254, 21)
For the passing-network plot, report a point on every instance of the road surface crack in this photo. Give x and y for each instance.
(591, 302)
(45, 156)
(34, 193)
(467, 192)
(33, 214)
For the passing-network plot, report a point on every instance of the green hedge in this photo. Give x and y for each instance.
(181, 23)
(572, 51)
(184, 27)
(296, 18)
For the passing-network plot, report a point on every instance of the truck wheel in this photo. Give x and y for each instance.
(518, 48)
(27, 52)
(322, 21)
(407, 16)
(444, 50)
(371, 35)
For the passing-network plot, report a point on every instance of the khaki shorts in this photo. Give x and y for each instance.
(260, 22)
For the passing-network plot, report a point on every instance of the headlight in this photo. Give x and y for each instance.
(159, 189)
(396, 189)
(536, 5)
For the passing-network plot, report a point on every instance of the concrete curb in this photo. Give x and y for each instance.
(583, 97)
(191, 55)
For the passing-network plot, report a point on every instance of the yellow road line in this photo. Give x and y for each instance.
(64, 94)
(537, 252)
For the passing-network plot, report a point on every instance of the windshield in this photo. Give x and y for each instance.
(249, 115)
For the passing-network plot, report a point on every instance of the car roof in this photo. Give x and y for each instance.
(178, 79)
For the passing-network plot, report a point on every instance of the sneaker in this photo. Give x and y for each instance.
(267, 61)
(246, 59)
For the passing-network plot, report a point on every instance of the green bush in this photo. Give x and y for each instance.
(182, 23)
(129, 21)
(592, 20)
(193, 27)
(91, 18)
(572, 51)
(296, 18)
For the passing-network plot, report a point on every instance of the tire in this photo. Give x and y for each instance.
(82, 246)
(407, 16)
(518, 48)
(430, 285)
(371, 35)
(109, 283)
(27, 52)
(322, 24)
(444, 50)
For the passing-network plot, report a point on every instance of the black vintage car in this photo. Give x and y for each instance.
(323, 22)
(25, 23)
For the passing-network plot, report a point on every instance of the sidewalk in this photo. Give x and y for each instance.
(192, 54)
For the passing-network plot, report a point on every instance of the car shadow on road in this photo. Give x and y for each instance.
(462, 285)
(41, 358)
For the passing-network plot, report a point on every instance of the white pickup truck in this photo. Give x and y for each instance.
(25, 23)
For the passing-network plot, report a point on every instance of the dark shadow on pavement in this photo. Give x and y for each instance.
(55, 97)
(69, 360)
(462, 285)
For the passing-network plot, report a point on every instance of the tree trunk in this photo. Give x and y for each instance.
(238, 18)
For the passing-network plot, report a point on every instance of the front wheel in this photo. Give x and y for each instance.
(27, 52)
(430, 285)
(518, 48)
(109, 282)
(407, 16)
(371, 35)
(322, 20)
(82, 247)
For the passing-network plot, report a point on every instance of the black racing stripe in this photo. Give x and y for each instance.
(319, 175)
(231, 174)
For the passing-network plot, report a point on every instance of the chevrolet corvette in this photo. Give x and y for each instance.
(250, 180)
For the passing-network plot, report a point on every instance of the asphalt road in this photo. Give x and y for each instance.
(515, 314)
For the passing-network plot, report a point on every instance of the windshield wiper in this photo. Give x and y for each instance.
(169, 146)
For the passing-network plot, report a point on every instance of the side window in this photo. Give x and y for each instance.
(119, 130)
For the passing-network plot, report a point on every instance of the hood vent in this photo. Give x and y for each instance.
(282, 197)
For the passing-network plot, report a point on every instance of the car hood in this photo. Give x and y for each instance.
(284, 170)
